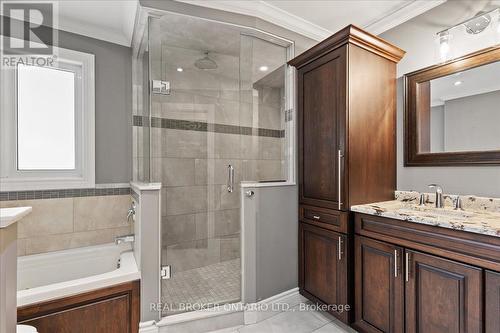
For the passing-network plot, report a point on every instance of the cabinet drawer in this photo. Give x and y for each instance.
(325, 218)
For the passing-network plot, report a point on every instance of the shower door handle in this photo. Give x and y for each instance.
(230, 178)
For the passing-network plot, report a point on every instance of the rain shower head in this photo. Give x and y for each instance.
(205, 63)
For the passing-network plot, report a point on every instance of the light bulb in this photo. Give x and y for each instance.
(444, 45)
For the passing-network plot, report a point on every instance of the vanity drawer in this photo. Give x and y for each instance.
(325, 218)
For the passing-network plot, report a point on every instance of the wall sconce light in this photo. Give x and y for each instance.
(444, 45)
(473, 26)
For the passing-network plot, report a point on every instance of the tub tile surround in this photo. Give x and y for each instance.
(71, 222)
(479, 214)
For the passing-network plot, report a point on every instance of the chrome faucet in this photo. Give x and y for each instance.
(439, 195)
(124, 239)
(131, 211)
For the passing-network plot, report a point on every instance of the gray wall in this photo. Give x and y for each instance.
(113, 105)
(417, 37)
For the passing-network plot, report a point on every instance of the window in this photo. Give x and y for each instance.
(47, 124)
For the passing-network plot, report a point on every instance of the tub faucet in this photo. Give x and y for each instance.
(124, 239)
(439, 195)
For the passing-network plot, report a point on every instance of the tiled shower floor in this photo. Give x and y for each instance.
(215, 284)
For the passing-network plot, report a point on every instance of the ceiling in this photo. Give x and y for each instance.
(318, 19)
(113, 20)
(109, 20)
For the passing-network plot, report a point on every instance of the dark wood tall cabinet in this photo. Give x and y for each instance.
(346, 103)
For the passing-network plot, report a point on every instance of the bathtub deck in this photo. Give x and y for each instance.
(219, 283)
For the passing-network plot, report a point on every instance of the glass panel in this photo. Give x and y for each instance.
(262, 110)
(219, 117)
(45, 118)
(141, 109)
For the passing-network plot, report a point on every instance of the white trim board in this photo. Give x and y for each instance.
(402, 15)
(83, 176)
(278, 16)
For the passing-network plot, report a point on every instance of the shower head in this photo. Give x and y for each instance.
(205, 63)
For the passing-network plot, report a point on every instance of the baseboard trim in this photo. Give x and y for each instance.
(148, 327)
(225, 316)
(257, 312)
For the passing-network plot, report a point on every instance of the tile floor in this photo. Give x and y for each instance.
(297, 320)
(213, 284)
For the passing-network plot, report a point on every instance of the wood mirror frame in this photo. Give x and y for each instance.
(417, 102)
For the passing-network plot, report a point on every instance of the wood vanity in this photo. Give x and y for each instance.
(424, 278)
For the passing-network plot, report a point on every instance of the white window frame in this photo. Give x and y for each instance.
(83, 176)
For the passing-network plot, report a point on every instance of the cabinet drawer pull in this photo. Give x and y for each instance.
(395, 263)
(340, 248)
(316, 217)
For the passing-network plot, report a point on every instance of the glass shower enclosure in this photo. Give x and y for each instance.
(216, 115)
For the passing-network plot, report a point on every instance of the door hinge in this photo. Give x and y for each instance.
(166, 272)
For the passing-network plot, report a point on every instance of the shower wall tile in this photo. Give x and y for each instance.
(226, 222)
(247, 114)
(229, 200)
(95, 213)
(230, 89)
(178, 229)
(250, 145)
(227, 112)
(177, 171)
(215, 171)
(226, 146)
(48, 217)
(270, 148)
(157, 143)
(185, 144)
(186, 200)
(262, 169)
(230, 247)
(269, 117)
(204, 225)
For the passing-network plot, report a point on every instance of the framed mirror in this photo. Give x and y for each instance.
(452, 112)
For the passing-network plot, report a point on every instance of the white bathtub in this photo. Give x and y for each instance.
(46, 276)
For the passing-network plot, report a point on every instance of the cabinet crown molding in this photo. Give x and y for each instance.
(353, 35)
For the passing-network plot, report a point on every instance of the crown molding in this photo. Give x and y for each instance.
(267, 12)
(402, 15)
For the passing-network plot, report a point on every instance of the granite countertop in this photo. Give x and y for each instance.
(479, 215)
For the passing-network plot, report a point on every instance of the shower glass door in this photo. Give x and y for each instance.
(217, 118)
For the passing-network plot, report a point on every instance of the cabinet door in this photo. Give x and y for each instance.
(379, 286)
(442, 295)
(323, 267)
(322, 107)
(492, 308)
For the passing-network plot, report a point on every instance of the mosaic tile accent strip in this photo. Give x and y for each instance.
(64, 193)
(200, 126)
